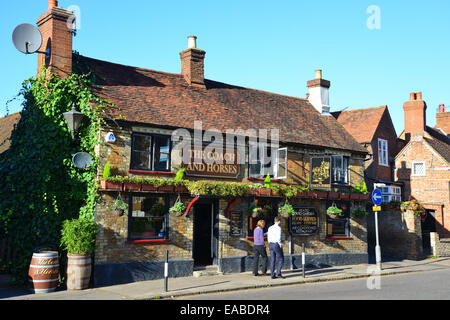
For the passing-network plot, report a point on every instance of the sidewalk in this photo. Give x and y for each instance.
(184, 287)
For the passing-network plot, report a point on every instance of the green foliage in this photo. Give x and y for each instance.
(119, 205)
(178, 208)
(413, 205)
(267, 182)
(333, 210)
(78, 236)
(41, 187)
(222, 189)
(364, 188)
(180, 174)
(286, 209)
(107, 170)
(359, 212)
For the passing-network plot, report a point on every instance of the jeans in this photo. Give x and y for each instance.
(276, 253)
(260, 251)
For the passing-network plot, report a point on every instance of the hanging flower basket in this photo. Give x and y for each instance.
(334, 212)
(286, 210)
(118, 208)
(178, 209)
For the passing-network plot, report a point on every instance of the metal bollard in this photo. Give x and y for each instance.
(166, 272)
(303, 259)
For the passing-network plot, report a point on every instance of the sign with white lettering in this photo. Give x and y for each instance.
(216, 163)
(305, 222)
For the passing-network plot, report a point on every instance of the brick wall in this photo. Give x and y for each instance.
(433, 189)
(400, 234)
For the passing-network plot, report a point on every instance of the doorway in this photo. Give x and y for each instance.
(428, 226)
(205, 234)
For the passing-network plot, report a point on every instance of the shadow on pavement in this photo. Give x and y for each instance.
(205, 285)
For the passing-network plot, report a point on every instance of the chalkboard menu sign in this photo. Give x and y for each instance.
(236, 223)
(305, 222)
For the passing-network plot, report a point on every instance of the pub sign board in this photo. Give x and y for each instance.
(320, 172)
(216, 163)
(236, 223)
(305, 222)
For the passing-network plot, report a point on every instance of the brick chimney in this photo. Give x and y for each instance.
(443, 119)
(415, 115)
(319, 93)
(193, 64)
(56, 35)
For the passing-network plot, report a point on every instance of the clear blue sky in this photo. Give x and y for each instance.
(268, 45)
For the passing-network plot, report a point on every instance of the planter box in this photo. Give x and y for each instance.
(128, 186)
(108, 185)
(344, 196)
(364, 197)
(181, 189)
(333, 195)
(321, 194)
(305, 194)
(166, 188)
(354, 196)
(148, 187)
(264, 192)
(253, 192)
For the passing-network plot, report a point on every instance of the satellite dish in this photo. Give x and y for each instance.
(82, 160)
(28, 39)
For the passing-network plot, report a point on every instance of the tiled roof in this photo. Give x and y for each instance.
(439, 142)
(165, 99)
(6, 127)
(361, 123)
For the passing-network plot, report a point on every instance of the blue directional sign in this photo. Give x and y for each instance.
(377, 197)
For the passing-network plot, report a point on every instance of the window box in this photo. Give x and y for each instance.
(364, 197)
(344, 196)
(166, 188)
(305, 194)
(253, 192)
(181, 189)
(129, 186)
(109, 185)
(333, 195)
(354, 196)
(264, 192)
(320, 194)
(148, 187)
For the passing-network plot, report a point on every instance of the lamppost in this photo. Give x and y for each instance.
(73, 119)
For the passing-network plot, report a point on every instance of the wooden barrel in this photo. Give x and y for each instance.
(78, 271)
(44, 271)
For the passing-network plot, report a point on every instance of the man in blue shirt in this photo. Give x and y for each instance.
(276, 251)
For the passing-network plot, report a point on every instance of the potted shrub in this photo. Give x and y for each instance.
(359, 212)
(178, 209)
(118, 208)
(334, 212)
(78, 238)
(254, 210)
(286, 210)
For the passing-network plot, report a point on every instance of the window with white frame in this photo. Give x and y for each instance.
(262, 162)
(383, 154)
(418, 169)
(391, 193)
(339, 169)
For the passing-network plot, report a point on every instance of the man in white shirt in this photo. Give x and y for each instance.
(274, 239)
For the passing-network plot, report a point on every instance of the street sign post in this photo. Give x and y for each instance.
(377, 198)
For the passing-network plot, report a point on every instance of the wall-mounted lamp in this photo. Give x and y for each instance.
(73, 119)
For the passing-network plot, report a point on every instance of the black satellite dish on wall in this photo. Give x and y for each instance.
(28, 39)
(82, 160)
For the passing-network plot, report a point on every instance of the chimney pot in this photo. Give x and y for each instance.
(412, 96)
(419, 95)
(52, 4)
(318, 74)
(192, 42)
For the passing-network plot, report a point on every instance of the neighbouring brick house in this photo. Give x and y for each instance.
(374, 130)
(313, 150)
(423, 165)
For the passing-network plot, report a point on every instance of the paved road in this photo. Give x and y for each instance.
(417, 286)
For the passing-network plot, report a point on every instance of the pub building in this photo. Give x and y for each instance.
(314, 150)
